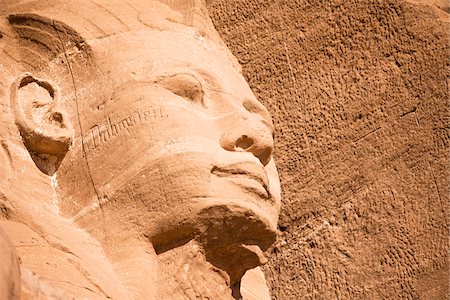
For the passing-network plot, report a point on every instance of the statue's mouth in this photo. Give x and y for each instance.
(248, 175)
(233, 220)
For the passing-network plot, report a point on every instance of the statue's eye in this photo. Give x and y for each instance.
(184, 85)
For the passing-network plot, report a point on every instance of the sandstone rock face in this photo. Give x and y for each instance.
(9, 269)
(359, 96)
(136, 161)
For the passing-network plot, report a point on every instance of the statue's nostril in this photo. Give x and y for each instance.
(244, 142)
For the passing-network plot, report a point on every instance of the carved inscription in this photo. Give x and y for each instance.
(102, 133)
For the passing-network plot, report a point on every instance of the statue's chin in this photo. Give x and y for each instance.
(233, 234)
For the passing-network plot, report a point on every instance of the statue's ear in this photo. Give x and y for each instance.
(44, 126)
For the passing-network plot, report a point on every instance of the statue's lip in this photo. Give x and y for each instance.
(244, 170)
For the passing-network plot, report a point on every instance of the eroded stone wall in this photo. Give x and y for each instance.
(358, 92)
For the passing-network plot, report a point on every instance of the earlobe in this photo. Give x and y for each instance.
(44, 127)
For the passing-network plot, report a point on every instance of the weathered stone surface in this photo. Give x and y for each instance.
(359, 96)
(128, 179)
(9, 269)
(136, 161)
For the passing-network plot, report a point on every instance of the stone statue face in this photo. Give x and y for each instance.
(134, 123)
(178, 132)
(166, 133)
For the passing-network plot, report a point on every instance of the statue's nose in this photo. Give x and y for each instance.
(250, 130)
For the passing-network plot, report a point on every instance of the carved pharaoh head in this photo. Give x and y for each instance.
(143, 120)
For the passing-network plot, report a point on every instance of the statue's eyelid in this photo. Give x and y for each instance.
(184, 85)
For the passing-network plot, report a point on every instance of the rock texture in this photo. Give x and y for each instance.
(359, 95)
(9, 269)
(136, 162)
